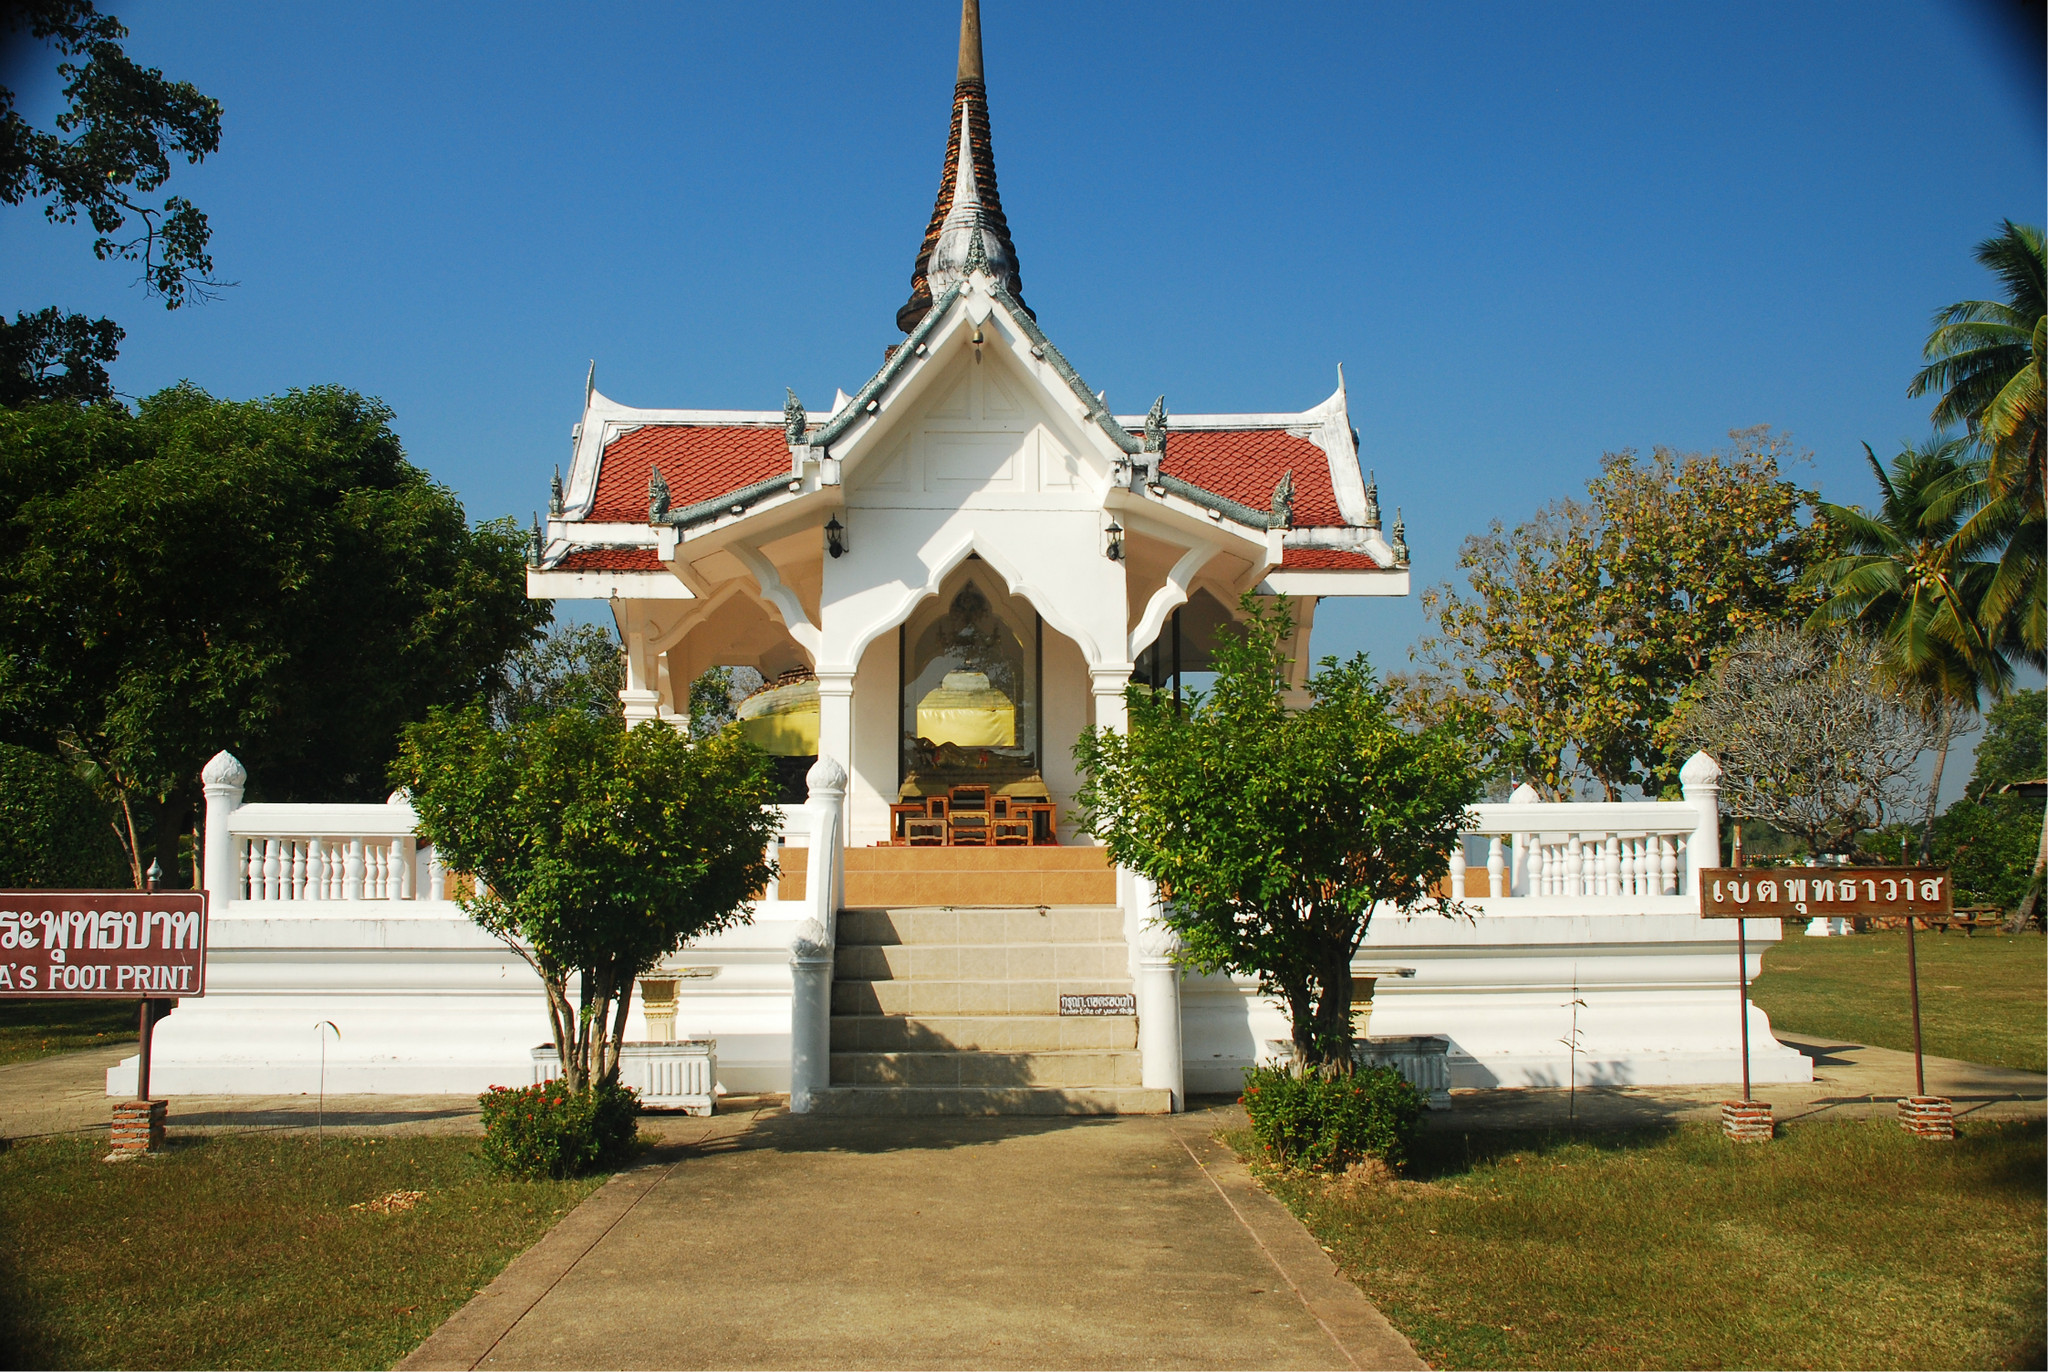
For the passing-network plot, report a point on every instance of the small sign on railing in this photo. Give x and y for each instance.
(103, 945)
(1824, 892)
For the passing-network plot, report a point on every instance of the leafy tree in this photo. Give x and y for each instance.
(1897, 578)
(1274, 833)
(1995, 842)
(2014, 746)
(1808, 739)
(34, 346)
(54, 832)
(269, 576)
(575, 667)
(110, 149)
(599, 851)
(1984, 362)
(1582, 626)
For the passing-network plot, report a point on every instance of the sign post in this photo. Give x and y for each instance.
(1740, 893)
(146, 946)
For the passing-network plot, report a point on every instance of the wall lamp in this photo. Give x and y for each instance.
(835, 537)
(1114, 549)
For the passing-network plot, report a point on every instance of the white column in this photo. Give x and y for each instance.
(641, 695)
(1160, 1064)
(1109, 684)
(1700, 780)
(810, 953)
(223, 781)
(835, 716)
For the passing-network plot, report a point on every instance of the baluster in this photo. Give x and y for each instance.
(1610, 867)
(316, 869)
(1496, 868)
(1575, 866)
(437, 875)
(1667, 865)
(1458, 869)
(1553, 868)
(251, 865)
(408, 869)
(1640, 868)
(352, 879)
(269, 869)
(294, 870)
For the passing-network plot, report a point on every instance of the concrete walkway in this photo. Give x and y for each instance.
(771, 1240)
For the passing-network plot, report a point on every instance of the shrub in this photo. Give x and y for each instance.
(551, 1131)
(1329, 1123)
(54, 832)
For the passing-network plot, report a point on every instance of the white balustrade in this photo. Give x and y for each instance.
(293, 853)
(1575, 850)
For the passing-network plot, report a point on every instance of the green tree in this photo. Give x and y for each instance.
(599, 851)
(269, 576)
(109, 150)
(35, 346)
(54, 831)
(1272, 833)
(1897, 579)
(1990, 838)
(1582, 626)
(575, 667)
(1984, 363)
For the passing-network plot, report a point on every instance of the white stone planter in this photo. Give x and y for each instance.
(669, 1076)
(1423, 1059)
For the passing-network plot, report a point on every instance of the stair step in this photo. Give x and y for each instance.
(993, 1100)
(955, 1068)
(982, 1033)
(977, 998)
(982, 962)
(968, 925)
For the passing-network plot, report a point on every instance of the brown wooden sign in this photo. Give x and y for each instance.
(105, 945)
(1824, 892)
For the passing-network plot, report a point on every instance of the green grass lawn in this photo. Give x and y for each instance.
(1837, 1245)
(244, 1250)
(38, 1028)
(1982, 999)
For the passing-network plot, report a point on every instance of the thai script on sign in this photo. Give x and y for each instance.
(1771, 893)
(1098, 1004)
(113, 944)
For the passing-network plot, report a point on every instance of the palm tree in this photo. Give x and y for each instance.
(1984, 361)
(1897, 579)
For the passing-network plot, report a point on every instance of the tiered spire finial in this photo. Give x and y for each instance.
(968, 207)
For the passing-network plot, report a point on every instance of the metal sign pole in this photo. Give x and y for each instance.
(1742, 991)
(1913, 985)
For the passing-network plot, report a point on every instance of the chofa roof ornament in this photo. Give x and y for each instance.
(1400, 540)
(1155, 427)
(657, 497)
(1372, 500)
(793, 419)
(1283, 500)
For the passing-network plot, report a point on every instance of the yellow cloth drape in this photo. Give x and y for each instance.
(965, 710)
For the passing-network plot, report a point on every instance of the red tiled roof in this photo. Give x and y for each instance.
(1245, 465)
(1325, 560)
(698, 461)
(610, 560)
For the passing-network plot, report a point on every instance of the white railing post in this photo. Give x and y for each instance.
(1458, 868)
(352, 874)
(1160, 1064)
(810, 953)
(1700, 780)
(223, 781)
(1496, 867)
(1523, 882)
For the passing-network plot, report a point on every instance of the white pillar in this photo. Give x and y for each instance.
(223, 780)
(1160, 1064)
(1109, 685)
(1700, 780)
(835, 715)
(810, 953)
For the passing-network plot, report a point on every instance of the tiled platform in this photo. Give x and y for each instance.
(980, 877)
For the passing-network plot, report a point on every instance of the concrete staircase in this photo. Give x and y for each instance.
(943, 1011)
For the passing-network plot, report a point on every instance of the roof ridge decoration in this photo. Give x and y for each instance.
(1283, 499)
(793, 419)
(1155, 427)
(657, 497)
(1372, 501)
(968, 205)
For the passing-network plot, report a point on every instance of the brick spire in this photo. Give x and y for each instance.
(968, 206)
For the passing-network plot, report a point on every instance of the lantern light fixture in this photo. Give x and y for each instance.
(1114, 550)
(835, 537)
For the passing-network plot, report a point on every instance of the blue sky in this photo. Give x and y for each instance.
(1531, 233)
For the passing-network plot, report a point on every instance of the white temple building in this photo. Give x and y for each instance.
(943, 577)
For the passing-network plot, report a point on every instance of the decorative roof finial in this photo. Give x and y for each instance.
(967, 198)
(1372, 500)
(555, 493)
(1400, 540)
(1155, 427)
(534, 547)
(793, 419)
(1283, 499)
(657, 497)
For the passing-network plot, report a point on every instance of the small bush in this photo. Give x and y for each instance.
(1329, 1124)
(551, 1131)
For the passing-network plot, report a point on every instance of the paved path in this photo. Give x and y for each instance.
(771, 1240)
